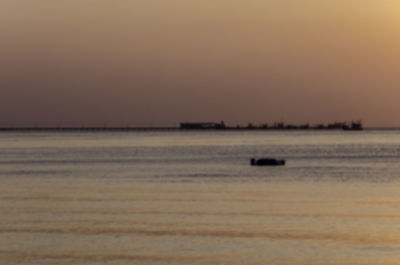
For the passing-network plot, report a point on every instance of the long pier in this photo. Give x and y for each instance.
(77, 129)
(188, 126)
(139, 129)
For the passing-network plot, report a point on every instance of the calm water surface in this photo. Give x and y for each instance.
(193, 198)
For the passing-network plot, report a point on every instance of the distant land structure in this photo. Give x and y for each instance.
(346, 126)
(351, 126)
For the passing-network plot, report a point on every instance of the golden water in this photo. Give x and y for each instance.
(122, 221)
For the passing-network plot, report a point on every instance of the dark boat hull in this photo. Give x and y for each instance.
(267, 162)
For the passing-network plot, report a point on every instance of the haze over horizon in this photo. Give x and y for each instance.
(153, 62)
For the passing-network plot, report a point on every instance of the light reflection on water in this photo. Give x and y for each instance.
(193, 156)
(193, 198)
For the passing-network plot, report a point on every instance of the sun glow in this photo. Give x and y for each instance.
(112, 60)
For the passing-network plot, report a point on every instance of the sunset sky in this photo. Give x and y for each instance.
(160, 62)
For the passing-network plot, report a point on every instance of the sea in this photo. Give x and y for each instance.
(192, 197)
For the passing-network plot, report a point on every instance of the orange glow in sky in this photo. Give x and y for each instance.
(162, 62)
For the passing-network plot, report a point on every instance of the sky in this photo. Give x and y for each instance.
(161, 62)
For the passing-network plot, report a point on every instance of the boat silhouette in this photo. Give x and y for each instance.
(267, 162)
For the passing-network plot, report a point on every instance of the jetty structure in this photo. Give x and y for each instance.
(352, 126)
(184, 126)
(202, 125)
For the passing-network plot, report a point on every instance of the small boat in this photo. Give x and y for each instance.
(267, 162)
